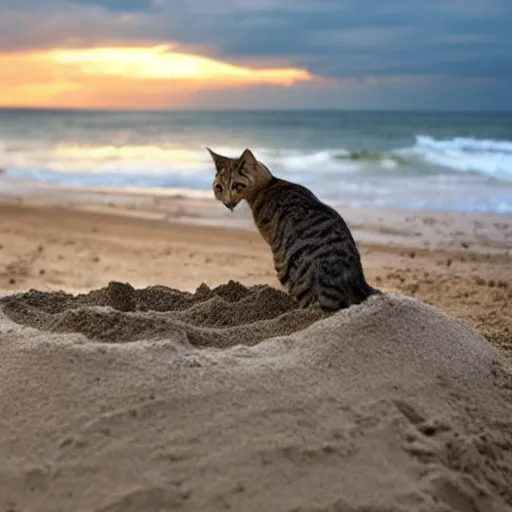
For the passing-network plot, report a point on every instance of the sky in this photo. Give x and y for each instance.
(252, 54)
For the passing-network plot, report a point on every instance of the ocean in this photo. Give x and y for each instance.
(437, 161)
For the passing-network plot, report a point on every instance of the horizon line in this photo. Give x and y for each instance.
(265, 110)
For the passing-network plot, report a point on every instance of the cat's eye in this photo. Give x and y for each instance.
(218, 188)
(239, 186)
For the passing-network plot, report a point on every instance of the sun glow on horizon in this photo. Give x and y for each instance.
(126, 77)
(158, 62)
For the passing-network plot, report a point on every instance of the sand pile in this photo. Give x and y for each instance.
(119, 313)
(150, 400)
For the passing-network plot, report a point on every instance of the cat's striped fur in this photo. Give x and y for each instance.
(315, 255)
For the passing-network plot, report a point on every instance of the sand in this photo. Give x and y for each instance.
(150, 365)
(51, 248)
(232, 399)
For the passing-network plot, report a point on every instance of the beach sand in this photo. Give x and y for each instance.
(175, 375)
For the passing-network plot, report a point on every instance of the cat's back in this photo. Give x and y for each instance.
(287, 196)
(284, 203)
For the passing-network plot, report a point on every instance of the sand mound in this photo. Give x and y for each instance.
(387, 406)
(225, 316)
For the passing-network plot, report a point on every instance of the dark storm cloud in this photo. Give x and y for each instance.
(356, 37)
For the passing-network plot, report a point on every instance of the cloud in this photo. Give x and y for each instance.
(369, 37)
(372, 45)
(60, 24)
(165, 63)
(125, 77)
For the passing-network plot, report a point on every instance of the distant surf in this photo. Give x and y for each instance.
(492, 158)
(153, 165)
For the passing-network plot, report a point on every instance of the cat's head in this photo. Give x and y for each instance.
(237, 178)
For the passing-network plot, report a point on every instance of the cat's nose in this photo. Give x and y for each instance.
(230, 205)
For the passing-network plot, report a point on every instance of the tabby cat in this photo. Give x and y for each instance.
(315, 255)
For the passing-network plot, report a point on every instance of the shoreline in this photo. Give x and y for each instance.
(480, 233)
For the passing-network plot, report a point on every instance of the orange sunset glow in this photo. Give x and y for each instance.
(125, 77)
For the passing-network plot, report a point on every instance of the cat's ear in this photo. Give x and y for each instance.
(248, 160)
(221, 162)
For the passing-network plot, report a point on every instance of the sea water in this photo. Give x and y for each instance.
(428, 160)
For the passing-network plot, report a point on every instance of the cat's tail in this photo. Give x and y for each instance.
(374, 291)
(365, 291)
(346, 296)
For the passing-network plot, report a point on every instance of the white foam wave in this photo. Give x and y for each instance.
(151, 162)
(466, 144)
(486, 157)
